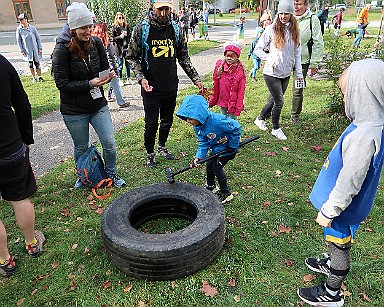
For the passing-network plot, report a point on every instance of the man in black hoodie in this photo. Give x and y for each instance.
(154, 65)
(17, 181)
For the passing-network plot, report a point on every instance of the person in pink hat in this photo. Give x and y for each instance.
(229, 82)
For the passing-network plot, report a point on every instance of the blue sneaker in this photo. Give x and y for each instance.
(117, 180)
(78, 184)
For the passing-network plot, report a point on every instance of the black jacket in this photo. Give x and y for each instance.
(72, 75)
(15, 111)
(120, 45)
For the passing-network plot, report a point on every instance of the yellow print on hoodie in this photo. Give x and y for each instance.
(162, 48)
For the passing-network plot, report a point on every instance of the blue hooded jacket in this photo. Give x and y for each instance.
(216, 132)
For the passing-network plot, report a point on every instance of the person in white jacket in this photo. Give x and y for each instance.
(280, 48)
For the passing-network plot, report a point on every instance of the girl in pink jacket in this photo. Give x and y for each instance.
(229, 82)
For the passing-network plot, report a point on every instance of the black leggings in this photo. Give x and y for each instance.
(215, 167)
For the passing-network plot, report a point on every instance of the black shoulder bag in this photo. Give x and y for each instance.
(310, 42)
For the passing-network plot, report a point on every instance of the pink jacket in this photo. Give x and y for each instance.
(228, 90)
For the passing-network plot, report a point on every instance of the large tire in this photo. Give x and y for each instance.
(163, 256)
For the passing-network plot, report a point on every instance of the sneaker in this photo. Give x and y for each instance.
(261, 124)
(224, 197)
(151, 162)
(318, 296)
(35, 249)
(295, 120)
(163, 151)
(213, 188)
(125, 105)
(33, 79)
(78, 184)
(110, 99)
(8, 267)
(41, 79)
(279, 134)
(117, 180)
(121, 83)
(319, 265)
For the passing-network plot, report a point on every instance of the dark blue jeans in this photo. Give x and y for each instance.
(156, 105)
(215, 167)
(120, 65)
(272, 108)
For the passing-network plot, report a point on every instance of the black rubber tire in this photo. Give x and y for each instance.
(163, 256)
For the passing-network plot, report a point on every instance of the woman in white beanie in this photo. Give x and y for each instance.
(77, 60)
(279, 46)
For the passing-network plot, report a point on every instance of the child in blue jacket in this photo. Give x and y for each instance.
(346, 187)
(256, 60)
(214, 132)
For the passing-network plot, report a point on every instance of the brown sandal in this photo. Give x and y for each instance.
(126, 104)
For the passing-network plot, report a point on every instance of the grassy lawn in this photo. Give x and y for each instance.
(270, 223)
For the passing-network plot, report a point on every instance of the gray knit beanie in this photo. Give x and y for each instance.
(285, 6)
(78, 15)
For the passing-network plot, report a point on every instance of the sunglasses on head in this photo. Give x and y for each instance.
(121, 17)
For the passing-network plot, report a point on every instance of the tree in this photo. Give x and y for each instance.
(105, 10)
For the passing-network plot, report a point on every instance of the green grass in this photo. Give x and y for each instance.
(197, 46)
(272, 190)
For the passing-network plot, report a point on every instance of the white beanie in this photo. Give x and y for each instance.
(285, 6)
(78, 15)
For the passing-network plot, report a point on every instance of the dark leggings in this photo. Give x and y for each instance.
(215, 167)
(277, 88)
(37, 64)
(155, 105)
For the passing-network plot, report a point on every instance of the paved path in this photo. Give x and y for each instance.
(53, 143)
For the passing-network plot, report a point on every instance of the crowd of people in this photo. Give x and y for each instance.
(291, 44)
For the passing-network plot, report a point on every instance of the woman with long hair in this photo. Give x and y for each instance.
(120, 37)
(279, 46)
(77, 60)
(101, 31)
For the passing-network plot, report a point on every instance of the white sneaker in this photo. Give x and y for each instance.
(261, 124)
(121, 83)
(279, 134)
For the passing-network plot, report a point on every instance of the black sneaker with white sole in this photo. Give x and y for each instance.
(163, 151)
(318, 296)
(224, 197)
(319, 265)
(151, 162)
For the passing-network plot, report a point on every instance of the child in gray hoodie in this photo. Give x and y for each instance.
(346, 187)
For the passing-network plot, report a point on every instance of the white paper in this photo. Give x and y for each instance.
(104, 73)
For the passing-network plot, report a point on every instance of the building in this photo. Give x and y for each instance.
(41, 13)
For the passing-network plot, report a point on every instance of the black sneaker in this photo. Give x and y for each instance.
(295, 120)
(8, 267)
(41, 79)
(151, 162)
(163, 151)
(319, 265)
(224, 197)
(318, 296)
(213, 188)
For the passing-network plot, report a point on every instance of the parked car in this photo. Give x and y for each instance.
(339, 6)
(243, 10)
(212, 11)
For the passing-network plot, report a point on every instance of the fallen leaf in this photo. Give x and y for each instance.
(232, 220)
(285, 148)
(90, 197)
(20, 301)
(278, 173)
(45, 287)
(264, 222)
(141, 304)
(283, 229)
(106, 284)
(369, 229)
(34, 292)
(236, 298)
(17, 240)
(73, 285)
(54, 265)
(232, 282)
(174, 284)
(288, 262)
(309, 277)
(270, 154)
(249, 187)
(128, 287)
(266, 203)
(99, 210)
(364, 297)
(208, 290)
(316, 148)
(86, 250)
(65, 212)
(74, 246)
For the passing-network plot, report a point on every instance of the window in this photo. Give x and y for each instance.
(22, 6)
(61, 7)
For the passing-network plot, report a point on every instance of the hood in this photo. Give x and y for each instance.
(194, 106)
(364, 101)
(64, 36)
(305, 15)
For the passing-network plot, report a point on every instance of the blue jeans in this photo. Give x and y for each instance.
(120, 64)
(101, 121)
(114, 84)
(256, 65)
(358, 39)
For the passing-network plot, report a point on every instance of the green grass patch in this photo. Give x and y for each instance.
(272, 180)
(196, 46)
